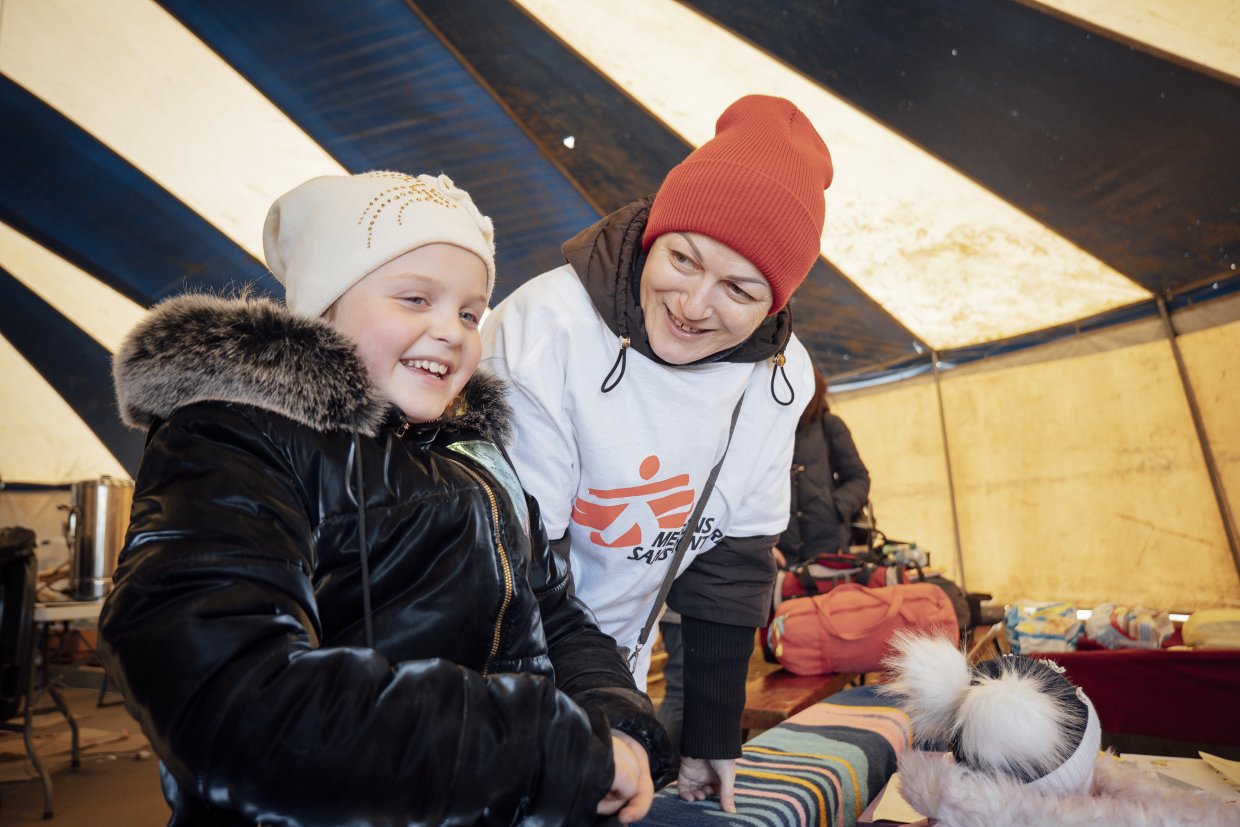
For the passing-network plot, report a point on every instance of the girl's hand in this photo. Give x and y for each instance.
(632, 789)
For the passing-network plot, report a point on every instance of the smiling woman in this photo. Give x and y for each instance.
(664, 344)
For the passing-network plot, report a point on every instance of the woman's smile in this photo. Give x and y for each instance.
(682, 327)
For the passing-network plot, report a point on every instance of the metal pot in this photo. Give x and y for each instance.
(95, 533)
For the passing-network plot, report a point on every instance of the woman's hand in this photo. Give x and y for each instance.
(701, 777)
(632, 789)
(780, 560)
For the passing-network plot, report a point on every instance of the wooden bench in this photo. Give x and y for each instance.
(773, 696)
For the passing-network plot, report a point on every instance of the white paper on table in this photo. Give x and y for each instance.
(1193, 772)
(893, 807)
(1228, 769)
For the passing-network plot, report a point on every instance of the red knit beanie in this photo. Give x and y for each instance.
(757, 186)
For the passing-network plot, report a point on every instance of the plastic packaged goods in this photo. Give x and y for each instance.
(1128, 627)
(1042, 627)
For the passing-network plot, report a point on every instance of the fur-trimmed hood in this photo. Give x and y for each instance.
(1124, 796)
(254, 351)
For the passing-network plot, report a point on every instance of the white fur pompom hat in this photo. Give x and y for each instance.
(1023, 745)
(325, 235)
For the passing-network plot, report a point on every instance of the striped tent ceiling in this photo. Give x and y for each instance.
(1005, 170)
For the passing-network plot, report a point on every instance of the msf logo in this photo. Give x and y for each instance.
(645, 518)
(626, 516)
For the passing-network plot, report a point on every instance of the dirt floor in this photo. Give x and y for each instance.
(116, 784)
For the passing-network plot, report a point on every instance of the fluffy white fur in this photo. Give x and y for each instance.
(1011, 724)
(929, 676)
(1124, 796)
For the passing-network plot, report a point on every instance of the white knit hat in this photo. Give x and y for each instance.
(322, 237)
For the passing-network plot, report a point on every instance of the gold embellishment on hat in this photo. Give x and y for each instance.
(408, 191)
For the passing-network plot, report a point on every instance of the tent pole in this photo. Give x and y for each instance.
(1220, 497)
(947, 457)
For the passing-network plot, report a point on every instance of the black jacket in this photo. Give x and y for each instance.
(237, 628)
(830, 483)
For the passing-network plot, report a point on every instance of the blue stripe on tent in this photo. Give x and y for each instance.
(376, 89)
(79, 199)
(622, 153)
(75, 365)
(1131, 157)
(842, 327)
(1208, 290)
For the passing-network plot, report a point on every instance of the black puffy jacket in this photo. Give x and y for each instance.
(830, 484)
(237, 628)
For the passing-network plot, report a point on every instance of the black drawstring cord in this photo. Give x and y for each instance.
(355, 460)
(779, 360)
(621, 362)
(387, 463)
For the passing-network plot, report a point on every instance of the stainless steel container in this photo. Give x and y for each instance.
(95, 532)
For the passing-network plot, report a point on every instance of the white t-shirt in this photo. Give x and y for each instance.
(620, 471)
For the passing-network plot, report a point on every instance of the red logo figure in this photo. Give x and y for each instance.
(628, 515)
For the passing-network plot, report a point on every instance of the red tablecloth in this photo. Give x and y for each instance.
(1179, 694)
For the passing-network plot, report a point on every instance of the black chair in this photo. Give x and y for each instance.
(18, 578)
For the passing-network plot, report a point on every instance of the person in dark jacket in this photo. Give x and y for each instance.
(335, 603)
(663, 345)
(830, 484)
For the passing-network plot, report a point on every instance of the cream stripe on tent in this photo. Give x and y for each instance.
(40, 435)
(131, 75)
(1204, 33)
(105, 315)
(127, 72)
(42, 438)
(935, 249)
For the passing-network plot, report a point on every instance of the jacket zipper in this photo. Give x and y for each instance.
(503, 557)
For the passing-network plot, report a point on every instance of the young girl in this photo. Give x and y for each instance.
(335, 603)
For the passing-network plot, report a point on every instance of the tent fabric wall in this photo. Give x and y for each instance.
(1078, 478)
(1210, 358)
(39, 509)
(897, 433)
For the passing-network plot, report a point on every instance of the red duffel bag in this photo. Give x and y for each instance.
(848, 629)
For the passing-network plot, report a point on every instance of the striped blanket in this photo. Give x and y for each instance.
(820, 768)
